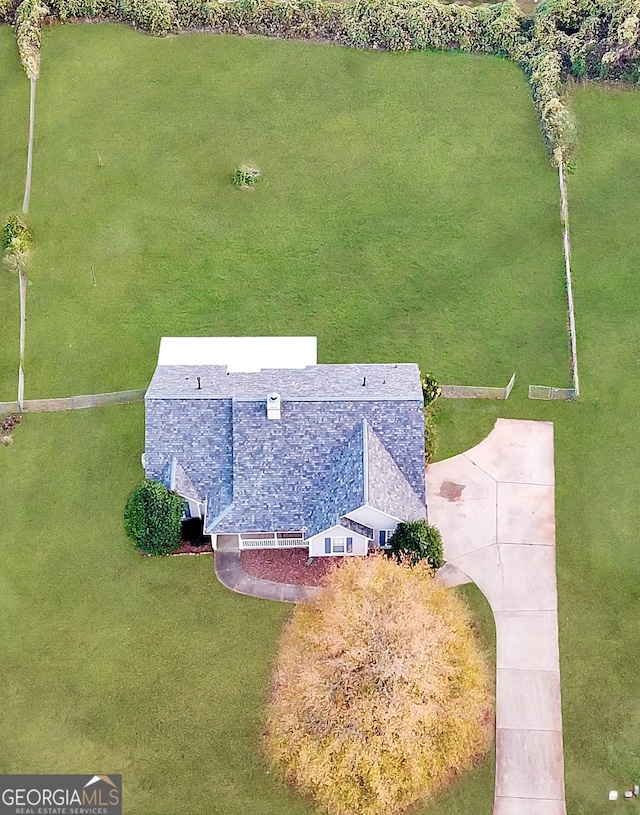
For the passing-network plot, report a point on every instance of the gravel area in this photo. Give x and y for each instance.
(287, 566)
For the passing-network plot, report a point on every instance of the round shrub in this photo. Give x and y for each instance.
(417, 541)
(153, 517)
(380, 694)
(246, 176)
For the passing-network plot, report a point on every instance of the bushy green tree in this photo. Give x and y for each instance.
(152, 518)
(417, 541)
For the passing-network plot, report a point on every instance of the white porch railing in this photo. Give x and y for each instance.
(271, 543)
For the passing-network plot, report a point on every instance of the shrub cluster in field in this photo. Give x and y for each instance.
(152, 518)
(583, 38)
(16, 243)
(245, 176)
(7, 426)
(380, 692)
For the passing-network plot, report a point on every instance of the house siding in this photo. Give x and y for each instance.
(317, 547)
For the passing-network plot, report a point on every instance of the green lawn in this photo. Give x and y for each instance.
(142, 666)
(597, 459)
(408, 210)
(119, 663)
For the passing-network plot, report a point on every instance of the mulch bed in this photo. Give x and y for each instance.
(287, 565)
(187, 548)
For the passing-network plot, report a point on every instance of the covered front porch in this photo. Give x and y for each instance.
(259, 540)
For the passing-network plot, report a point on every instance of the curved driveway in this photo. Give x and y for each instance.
(494, 505)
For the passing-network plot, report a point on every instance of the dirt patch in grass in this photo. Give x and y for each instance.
(287, 566)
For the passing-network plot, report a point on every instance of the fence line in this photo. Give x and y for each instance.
(545, 391)
(22, 280)
(476, 391)
(564, 215)
(32, 114)
(73, 402)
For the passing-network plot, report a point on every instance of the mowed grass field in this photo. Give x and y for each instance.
(150, 667)
(407, 209)
(597, 459)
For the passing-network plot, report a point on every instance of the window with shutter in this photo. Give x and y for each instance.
(339, 545)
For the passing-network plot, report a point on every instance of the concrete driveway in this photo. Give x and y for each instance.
(494, 506)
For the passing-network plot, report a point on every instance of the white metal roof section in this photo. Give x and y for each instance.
(240, 354)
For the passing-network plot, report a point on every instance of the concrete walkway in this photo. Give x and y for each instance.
(231, 574)
(494, 505)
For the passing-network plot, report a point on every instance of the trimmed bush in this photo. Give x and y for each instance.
(416, 542)
(380, 694)
(245, 176)
(430, 389)
(152, 518)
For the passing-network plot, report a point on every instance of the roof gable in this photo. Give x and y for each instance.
(180, 482)
(386, 488)
(344, 487)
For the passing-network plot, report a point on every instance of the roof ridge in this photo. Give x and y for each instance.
(365, 459)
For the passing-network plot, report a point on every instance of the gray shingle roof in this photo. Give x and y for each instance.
(262, 475)
(316, 382)
(354, 526)
(387, 489)
(199, 435)
(364, 473)
(344, 487)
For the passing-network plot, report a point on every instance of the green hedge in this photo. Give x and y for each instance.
(152, 518)
(28, 25)
(155, 16)
(8, 10)
(582, 38)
